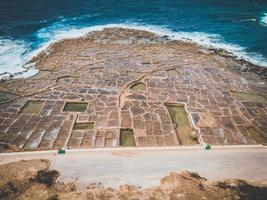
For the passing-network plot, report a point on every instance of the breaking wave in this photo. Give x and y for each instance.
(14, 54)
(11, 55)
(56, 33)
(263, 19)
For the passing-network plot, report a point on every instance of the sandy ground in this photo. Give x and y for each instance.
(145, 166)
(33, 179)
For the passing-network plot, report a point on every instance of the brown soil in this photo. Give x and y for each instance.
(27, 180)
(6, 148)
(33, 180)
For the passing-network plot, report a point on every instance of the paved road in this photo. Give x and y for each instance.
(144, 167)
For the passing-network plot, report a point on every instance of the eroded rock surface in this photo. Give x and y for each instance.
(101, 71)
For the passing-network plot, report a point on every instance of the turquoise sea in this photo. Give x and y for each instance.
(27, 27)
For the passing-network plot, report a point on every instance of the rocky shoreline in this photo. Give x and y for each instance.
(244, 66)
(162, 92)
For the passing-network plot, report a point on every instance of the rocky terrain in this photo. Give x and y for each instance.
(122, 87)
(32, 179)
(26, 180)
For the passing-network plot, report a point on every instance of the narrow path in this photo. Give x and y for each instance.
(145, 166)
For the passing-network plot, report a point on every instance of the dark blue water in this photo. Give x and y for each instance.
(239, 26)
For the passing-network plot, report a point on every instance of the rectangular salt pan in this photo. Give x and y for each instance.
(75, 107)
(127, 137)
(32, 107)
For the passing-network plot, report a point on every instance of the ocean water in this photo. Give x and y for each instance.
(27, 27)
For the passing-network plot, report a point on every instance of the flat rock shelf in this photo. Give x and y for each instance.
(92, 91)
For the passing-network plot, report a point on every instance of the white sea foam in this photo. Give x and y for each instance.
(263, 19)
(14, 54)
(208, 40)
(248, 20)
(11, 55)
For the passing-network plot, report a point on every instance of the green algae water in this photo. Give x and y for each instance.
(138, 86)
(32, 107)
(75, 107)
(182, 124)
(83, 126)
(127, 137)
